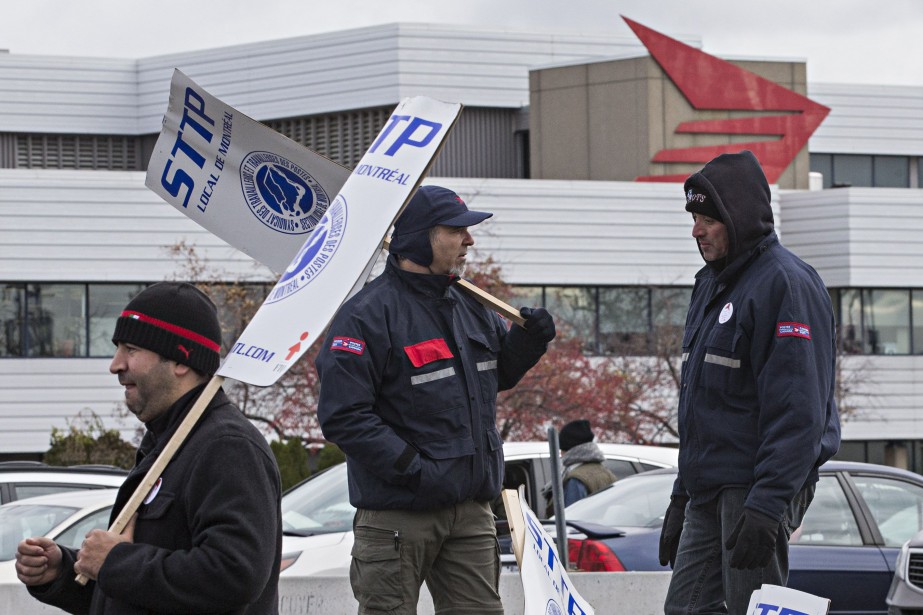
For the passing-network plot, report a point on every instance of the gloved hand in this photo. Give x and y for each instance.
(753, 540)
(539, 324)
(672, 529)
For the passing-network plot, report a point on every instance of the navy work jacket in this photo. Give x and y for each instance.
(409, 372)
(757, 407)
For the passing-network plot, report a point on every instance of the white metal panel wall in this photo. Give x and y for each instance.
(107, 226)
(369, 67)
(323, 73)
(858, 237)
(869, 119)
(38, 394)
(97, 226)
(584, 232)
(888, 397)
(57, 94)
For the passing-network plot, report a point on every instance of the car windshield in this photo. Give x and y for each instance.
(632, 502)
(24, 520)
(319, 505)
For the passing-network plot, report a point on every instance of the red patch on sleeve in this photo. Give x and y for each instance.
(427, 352)
(793, 329)
(348, 344)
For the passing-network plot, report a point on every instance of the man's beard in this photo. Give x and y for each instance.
(458, 270)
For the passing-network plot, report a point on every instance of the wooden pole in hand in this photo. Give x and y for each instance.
(160, 464)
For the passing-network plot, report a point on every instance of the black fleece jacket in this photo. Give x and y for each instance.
(209, 538)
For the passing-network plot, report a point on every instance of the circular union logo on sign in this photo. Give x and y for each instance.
(553, 608)
(282, 195)
(315, 254)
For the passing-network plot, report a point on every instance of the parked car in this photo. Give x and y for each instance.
(26, 479)
(905, 596)
(64, 517)
(317, 516)
(844, 550)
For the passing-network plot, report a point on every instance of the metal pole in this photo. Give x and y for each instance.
(557, 492)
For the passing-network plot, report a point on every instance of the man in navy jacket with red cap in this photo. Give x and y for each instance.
(409, 375)
(757, 414)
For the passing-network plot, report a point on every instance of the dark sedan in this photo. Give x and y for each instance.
(845, 550)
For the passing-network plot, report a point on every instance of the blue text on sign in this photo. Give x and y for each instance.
(193, 105)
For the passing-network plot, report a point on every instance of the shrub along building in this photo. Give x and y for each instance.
(577, 143)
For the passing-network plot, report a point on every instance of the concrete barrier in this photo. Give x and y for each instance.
(623, 593)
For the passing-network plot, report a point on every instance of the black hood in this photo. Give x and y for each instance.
(738, 188)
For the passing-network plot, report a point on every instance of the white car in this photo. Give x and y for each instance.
(64, 517)
(26, 479)
(317, 516)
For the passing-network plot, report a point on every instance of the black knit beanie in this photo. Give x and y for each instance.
(177, 321)
(574, 434)
(699, 200)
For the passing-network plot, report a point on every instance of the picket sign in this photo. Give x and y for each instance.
(195, 166)
(777, 600)
(283, 189)
(547, 588)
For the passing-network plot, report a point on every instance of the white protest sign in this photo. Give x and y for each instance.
(547, 588)
(246, 183)
(778, 600)
(344, 241)
(249, 185)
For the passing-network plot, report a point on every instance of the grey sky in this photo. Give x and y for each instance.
(843, 41)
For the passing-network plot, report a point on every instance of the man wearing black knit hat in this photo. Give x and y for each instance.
(409, 376)
(208, 536)
(582, 465)
(757, 414)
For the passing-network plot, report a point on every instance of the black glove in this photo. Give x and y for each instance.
(753, 540)
(672, 528)
(539, 324)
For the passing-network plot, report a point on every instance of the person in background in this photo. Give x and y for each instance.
(409, 375)
(208, 537)
(583, 471)
(757, 413)
(583, 462)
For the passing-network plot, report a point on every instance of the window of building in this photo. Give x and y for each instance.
(624, 320)
(55, 320)
(574, 308)
(237, 304)
(887, 321)
(668, 307)
(852, 170)
(890, 172)
(916, 318)
(12, 319)
(823, 164)
(851, 334)
(105, 303)
(841, 170)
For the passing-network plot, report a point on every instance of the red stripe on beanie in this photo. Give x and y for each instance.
(180, 331)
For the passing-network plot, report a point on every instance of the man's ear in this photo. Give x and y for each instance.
(180, 370)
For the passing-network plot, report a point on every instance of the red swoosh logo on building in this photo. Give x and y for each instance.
(710, 83)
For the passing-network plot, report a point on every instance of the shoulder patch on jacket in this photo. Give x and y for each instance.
(427, 352)
(348, 344)
(793, 329)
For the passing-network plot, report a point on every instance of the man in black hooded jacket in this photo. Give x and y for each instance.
(757, 414)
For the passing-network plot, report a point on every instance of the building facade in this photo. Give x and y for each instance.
(556, 133)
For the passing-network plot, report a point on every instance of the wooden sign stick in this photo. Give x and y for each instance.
(483, 297)
(514, 516)
(160, 464)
